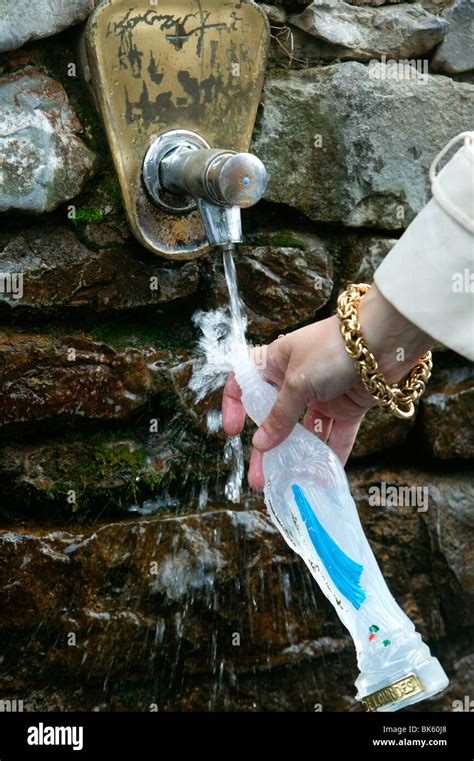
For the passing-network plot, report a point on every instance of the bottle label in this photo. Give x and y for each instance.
(403, 688)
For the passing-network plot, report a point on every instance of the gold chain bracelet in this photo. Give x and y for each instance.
(399, 400)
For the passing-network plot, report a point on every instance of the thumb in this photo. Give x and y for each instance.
(281, 420)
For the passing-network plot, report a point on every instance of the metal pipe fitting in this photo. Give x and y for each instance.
(222, 177)
(181, 172)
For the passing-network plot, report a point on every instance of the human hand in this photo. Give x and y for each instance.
(313, 371)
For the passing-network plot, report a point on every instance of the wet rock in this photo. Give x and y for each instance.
(58, 271)
(356, 258)
(19, 24)
(456, 52)
(459, 691)
(424, 501)
(208, 611)
(71, 378)
(44, 162)
(401, 31)
(176, 377)
(450, 522)
(336, 161)
(193, 595)
(164, 456)
(53, 480)
(281, 285)
(146, 470)
(447, 414)
(379, 431)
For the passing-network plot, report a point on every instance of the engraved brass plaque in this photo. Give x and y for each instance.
(399, 690)
(157, 66)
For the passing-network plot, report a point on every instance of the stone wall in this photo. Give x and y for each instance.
(106, 465)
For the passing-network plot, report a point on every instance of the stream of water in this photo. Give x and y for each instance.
(222, 339)
(238, 324)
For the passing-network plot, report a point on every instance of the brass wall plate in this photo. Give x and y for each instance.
(155, 66)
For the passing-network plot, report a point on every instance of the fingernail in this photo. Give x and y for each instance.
(261, 439)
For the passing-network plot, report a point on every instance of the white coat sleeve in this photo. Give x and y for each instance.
(429, 273)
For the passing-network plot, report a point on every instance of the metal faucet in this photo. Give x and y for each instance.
(181, 173)
(196, 64)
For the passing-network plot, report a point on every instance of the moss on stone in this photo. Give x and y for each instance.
(150, 330)
(109, 184)
(86, 473)
(85, 215)
(282, 239)
(107, 467)
(102, 470)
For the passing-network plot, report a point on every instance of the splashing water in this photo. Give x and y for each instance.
(222, 341)
(203, 495)
(214, 421)
(234, 452)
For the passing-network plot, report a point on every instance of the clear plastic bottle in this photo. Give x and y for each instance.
(308, 497)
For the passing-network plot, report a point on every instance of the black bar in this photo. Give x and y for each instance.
(157, 735)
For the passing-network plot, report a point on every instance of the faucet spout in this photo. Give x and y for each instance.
(223, 224)
(182, 172)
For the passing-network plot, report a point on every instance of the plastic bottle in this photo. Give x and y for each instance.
(309, 500)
